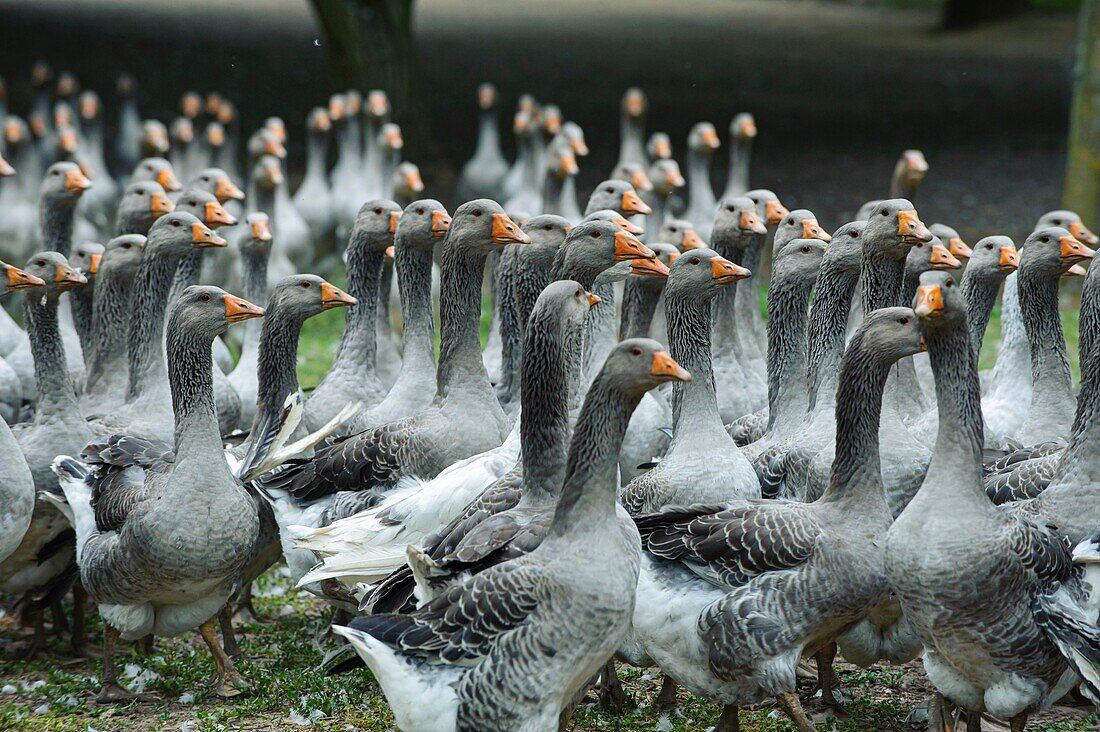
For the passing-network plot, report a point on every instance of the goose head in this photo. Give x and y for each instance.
(939, 302)
(422, 224)
(547, 230)
(845, 250)
(617, 195)
(703, 139)
(666, 177)
(637, 365)
(482, 226)
(607, 214)
(889, 334)
(144, 201)
(86, 258)
(122, 255)
(267, 173)
(768, 205)
(1069, 220)
(742, 128)
(177, 233)
(635, 103)
(736, 221)
(680, 233)
(154, 139)
(217, 182)
(55, 273)
(304, 295)
(159, 171)
(205, 207)
(634, 174)
(799, 261)
(207, 311)
(15, 280)
(700, 273)
(1051, 252)
(951, 239)
(255, 238)
(993, 258)
(893, 227)
(64, 184)
(572, 133)
(191, 104)
(659, 146)
(375, 225)
(924, 256)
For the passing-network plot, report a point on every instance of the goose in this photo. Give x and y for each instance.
(667, 180)
(181, 134)
(588, 250)
(106, 369)
(632, 127)
(717, 580)
(527, 197)
(570, 600)
(513, 179)
(127, 148)
(147, 409)
(295, 237)
(85, 258)
(352, 377)
(548, 128)
(97, 204)
(44, 556)
(154, 139)
(227, 155)
(421, 225)
(643, 295)
(376, 114)
(254, 243)
(141, 204)
(701, 464)
(60, 190)
(482, 175)
(367, 547)
(753, 334)
(17, 493)
(150, 568)
(679, 234)
(909, 172)
(463, 419)
(1016, 655)
(266, 177)
(742, 133)
(561, 166)
(572, 133)
(16, 200)
(523, 273)
(1047, 254)
(158, 170)
(735, 225)
(701, 144)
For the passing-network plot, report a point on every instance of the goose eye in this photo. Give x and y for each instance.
(57, 172)
(949, 283)
(126, 245)
(595, 235)
(1045, 239)
(192, 203)
(790, 222)
(636, 351)
(420, 211)
(477, 212)
(904, 321)
(41, 263)
(609, 190)
(377, 212)
(885, 212)
(695, 260)
(854, 234)
(176, 222)
(989, 247)
(578, 293)
(673, 229)
(205, 297)
(805, 250)
(548, 227)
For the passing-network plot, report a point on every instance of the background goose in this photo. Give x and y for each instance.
(667, 181)
(727, 576)
(127, 148)
(570, 600)
(17, 194)
(164, 568)
(701, 144)
(254, 243)
(632, 126)
(266, 177)
(742, 133)
(1007, 657)
(141, 204)
(482, 175)
(85, 258)
(97, 206)
(313, 199)
(464, 418)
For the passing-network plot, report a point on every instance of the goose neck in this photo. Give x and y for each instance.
(488, 137)
(51, 375)
(880, 280)
(359, 344)
(639, 306)
(56, 222)
(111, 318)
(738, 179)
(694, 404)
(277, 374)
(698, 177)
(414, 283)
(191, 379)
(145, 341)
(827, 326)
(1050, 371)
(316, 153)
(786, 358)
(544, 416)
(980, 294)
(460, 364)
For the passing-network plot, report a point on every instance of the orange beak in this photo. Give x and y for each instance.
(774, 211)
(389, 253)
(710, 138)
(441, 222)
(215, 135)
(929, 301)
(674, 178)
(628, 246)
(67, 277)
(692, 240)
(748, 128)
(580, 149)
(274, 147)
(76, 182)
(214, 215)
(334, 297)
(38, 125)
(1074, 251)
(20, 280)
(202, 236)
(958, 248)
(68, 141)
(811, 230)
(12, 132)
(911, 228)
(274, 173)
(632, 204)
(752, 224)
(227, 113)
(395, 216)
(593, 299)
(186, 133)
(413, 181)
(943, 259)
(665, 368)
(627, 226)
(724, 271)
(635, 105)
(321, 121)
(1082, 233)
(648, 268)
(5, 168)
(486, 96)
(161, 204)
(93, 263)
(336, 109)
(238, 309)
(662, 149)
(261, 230)
(167, 179)
(641, 181)
(394, 140)
(506, 231)
(916, 163)
(568, 165)
(1009, 260)
(378, 103)
(226, 191)
(1075, 271)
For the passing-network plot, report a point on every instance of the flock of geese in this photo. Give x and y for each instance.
(637, 468)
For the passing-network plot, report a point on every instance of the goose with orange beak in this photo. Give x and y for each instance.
(483, 174)
(742, 133)
(632, 127)
(313, 199)
(701, 144)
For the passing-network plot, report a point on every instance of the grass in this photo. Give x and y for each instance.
(55, 693)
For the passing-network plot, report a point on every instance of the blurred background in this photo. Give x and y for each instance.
(983, 87)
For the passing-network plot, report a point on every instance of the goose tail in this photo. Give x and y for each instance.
(75, 480)
(1065, 622)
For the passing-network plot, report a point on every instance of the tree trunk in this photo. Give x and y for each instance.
(1082, 191)
(969, 13)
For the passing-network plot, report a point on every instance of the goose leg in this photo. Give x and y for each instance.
(227, 682)
(229, 637)
(1017, 723)
(828, 681)
(60, 622)
(79, 636)
(666, 698)
(938, 718)
(973, 722)
(111, 692)
(792, 707)
(612, 696)
(245, 611)
(729, 721)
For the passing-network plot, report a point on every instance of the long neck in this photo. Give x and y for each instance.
(530, 164)
(51, 375)
(724, 323)
(980, 294)
(414, 283)
(56, 222)
(255, 291)
(316, 150)
(263, 200)
(111, 320)
(827, 326)
(880, 280)
(737, 182)
(544, 420)
(188, 273)
(359, 344)
(488, 136)
(1049, 363)
(639, 305)
(1089, 323)
(749, 288)
(856, 472)
(459, 319)
(191, 378)
(150, 299)
(277, 372)
(698, 176)
(630, 139)
(1086, 424)
(694, 404)
(591, 483)
(786, 349)
(80, 304)
(552, 188)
